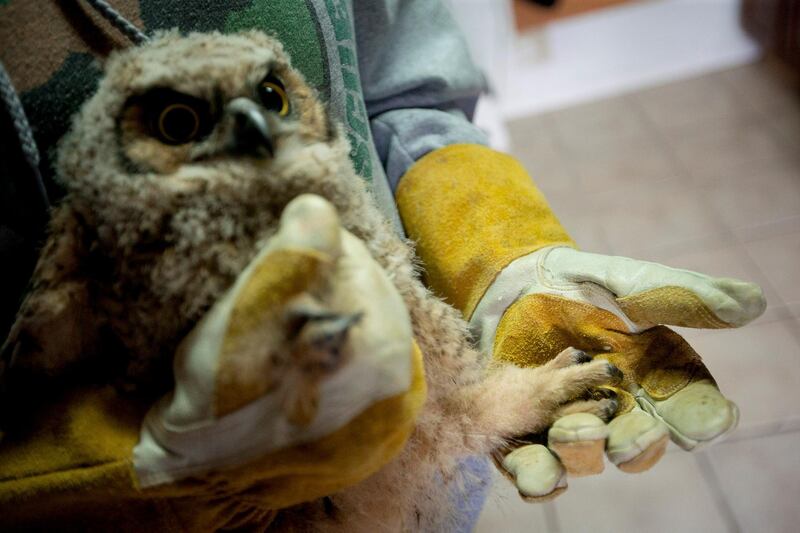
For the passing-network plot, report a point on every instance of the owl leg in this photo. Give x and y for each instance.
(514, 401)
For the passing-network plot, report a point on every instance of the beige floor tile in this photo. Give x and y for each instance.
(787, 126)
(672, 496)
(589, 128)
(761, 156)
(720, 261)
(534, 144)
(623, 162)
(718, 147)
(778, 258)
(534, 137)
(756, 193)
(583, 228)
(674, 107)
(794, 309)
(504, 511)
(760, 479)
(653, 216)
(755, 365)
(783, 226)
(535, 132)
(790, 425)
(551, 176)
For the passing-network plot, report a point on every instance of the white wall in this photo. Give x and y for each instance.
(600, 53)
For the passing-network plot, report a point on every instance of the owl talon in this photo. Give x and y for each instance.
(320, 340)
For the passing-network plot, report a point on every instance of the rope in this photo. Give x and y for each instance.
(118, 21)
(17, 113)
(24, 134)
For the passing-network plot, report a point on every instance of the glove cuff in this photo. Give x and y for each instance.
(472, 211)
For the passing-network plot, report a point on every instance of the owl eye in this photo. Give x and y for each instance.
(178, 123)
(173, 117)
(273, 95)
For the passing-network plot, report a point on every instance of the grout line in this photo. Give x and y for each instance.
(781, 303)
(756, 431)
(774, 228)
(720, 500)
(792, 328)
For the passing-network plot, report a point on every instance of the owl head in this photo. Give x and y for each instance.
(180, 113)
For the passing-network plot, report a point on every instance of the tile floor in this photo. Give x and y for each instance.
(701, 174)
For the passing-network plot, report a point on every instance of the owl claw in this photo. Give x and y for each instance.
(320, 338)
(318, 347)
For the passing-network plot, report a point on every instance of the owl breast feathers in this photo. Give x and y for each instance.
(177, 170)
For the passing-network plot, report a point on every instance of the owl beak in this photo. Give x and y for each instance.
(251, 133)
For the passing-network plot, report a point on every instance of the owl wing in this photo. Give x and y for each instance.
(55, 325)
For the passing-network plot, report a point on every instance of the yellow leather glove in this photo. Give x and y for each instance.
(492, 247)
(303, 379)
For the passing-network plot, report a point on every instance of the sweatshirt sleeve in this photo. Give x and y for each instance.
(420, 85)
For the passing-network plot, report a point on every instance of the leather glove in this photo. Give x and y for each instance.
(302, 379)
(492, 247)
(612, 308)
(310, 347)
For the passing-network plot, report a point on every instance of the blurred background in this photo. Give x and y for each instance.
(667, 130)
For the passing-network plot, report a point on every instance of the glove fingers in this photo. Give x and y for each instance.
(579, 440)
(721, 303)
(636, 441)
(671, 383)
(537, 473)
(651, 294)
(696, 415)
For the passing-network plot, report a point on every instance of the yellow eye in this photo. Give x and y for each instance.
(178, 123)
(273, 96)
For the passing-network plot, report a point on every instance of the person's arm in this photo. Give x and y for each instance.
(485, 234)
(420, 85)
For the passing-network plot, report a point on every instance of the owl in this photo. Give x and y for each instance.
(177, 171)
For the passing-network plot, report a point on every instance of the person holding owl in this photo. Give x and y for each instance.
(398, 77)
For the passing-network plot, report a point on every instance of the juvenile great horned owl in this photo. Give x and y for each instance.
(177, 171)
